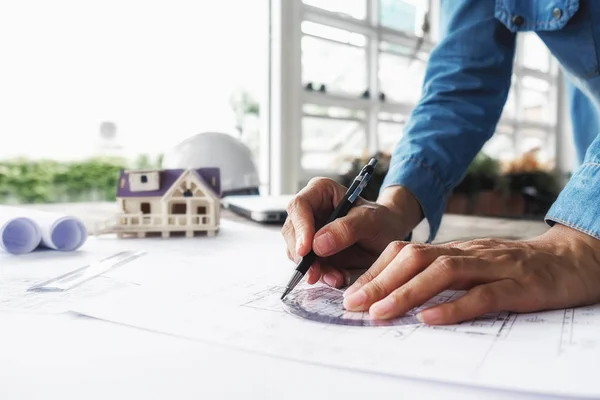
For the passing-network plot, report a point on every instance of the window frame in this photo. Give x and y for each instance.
(288, 96)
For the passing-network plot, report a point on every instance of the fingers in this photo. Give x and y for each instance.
(302, 220)
(314, 273)
(313, 202)
(360, 223)
(289, 235)
(445, 272)
(411, 260)
(332, 276)
(492, 297)
(390, 252)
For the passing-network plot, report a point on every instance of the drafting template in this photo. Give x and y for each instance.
(232, 298)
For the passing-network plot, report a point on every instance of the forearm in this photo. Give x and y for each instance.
(466, 85)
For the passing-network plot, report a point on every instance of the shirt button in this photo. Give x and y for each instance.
(518, 20)
(557, 13)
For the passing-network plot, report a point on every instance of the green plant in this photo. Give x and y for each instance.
(48, 181)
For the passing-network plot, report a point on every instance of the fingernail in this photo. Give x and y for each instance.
(346, 276)
(356, 300)
(383, 308)
(325, 244)
(331, 279)
(431, 316)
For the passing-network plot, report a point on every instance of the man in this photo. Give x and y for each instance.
(466, 85)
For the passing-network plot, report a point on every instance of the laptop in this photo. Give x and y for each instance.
(259, 208)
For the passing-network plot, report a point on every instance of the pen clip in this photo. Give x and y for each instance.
(364, 180)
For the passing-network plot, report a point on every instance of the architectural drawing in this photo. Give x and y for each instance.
(233, 299)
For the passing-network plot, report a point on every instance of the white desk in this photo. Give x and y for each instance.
(68, 357)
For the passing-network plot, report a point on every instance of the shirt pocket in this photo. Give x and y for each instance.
(575, 46)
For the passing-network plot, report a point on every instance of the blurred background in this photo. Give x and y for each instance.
(311, 87)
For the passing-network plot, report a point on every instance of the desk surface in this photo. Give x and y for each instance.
(453, 227)
(71, 357)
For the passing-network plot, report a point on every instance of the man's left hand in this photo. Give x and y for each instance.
(558, 269)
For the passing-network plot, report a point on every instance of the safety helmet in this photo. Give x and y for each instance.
(212, 149)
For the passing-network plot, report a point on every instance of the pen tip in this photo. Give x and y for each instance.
(285, 293)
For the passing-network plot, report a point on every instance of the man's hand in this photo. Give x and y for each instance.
(352, 242)
(558, 269)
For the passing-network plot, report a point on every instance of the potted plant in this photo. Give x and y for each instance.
(533, 187)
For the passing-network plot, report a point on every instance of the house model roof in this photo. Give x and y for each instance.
(167, 177)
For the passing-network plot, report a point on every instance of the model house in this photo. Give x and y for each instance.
(166, 201)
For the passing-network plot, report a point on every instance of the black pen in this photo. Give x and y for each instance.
(361, 180)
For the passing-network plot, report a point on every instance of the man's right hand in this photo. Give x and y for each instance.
(352, 242)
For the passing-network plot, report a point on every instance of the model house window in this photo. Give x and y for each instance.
(201, 210)
(145, 208)
(179, 208)
(144, 179)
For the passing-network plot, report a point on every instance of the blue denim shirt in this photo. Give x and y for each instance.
(466, 85)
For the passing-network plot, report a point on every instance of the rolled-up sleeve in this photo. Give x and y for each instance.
(578, 204)
(466, 85)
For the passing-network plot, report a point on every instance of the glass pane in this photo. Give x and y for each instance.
(392, 117)
(329, 32)
(532, 139)
(328, 143)
(535, 100)
(401, 78)
(510, 105)
(341, 68)
(501, 147)
(352, 8)
(535, 54)
(388, 134)
(536, 107)
(335, 112)
(403, 15)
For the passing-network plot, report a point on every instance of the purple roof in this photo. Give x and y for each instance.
(167, 178)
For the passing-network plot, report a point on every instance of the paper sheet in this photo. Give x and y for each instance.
(95, 274)
(227, 291)
(24, 230)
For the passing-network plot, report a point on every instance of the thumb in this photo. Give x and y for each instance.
(360, 223)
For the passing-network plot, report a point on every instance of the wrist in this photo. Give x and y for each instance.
(401, 202)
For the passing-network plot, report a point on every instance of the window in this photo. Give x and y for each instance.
(144, 179)
(359, 68)
(529, 118)
(329, 142)
(145, 208)
(361, 75)
(333, 59)
(352, 8)
(201, 210)
(123, 83)
(407, 15)
(401, 72)
(178, 208)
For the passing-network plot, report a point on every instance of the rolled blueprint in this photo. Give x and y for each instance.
(54, 230)
(18, 233)
(59, 231)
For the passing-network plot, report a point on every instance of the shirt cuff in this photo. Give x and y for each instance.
(577, 205)
(424, 184)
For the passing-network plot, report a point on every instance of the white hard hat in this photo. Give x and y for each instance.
(220, 150)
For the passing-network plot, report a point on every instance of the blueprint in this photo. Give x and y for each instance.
(232, 298)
